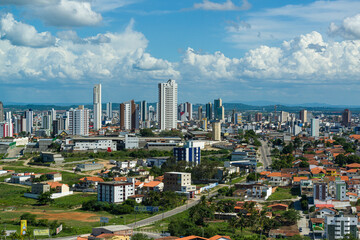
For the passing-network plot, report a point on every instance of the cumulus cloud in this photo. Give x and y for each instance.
(306, 59)
(109, 57)
(67, 13)
(22, 34)
(348, 29)
(61, 13)
(228, 5)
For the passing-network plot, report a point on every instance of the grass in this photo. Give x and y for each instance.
(12, 195)
(237, 180)
(73, 201)
(282, 194)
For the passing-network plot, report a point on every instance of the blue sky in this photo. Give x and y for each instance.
(294, 51)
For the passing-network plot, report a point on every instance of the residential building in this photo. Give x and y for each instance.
(84, 144)
(200, 110)
(131, 141)
(29, 115)
(258, 117)
(190, 154)
(46, 122)
(51, 157)
(346, 118)
(115, 192)
(129, 116)
(315, 127)
(216, 131)
(79, 121)
(156, 161)
(97, 106)
(339, 226)
(303, 116)
(219, 111)
(167, 105)
(177, 181)
(6, 129)
(209, 113)
(2, 118)
(89, 166)
(284, 116)
(320, 191)
(143, 111)
(185, 112)
(109, 113)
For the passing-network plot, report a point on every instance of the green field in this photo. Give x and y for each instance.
(281, 194)
(12, 195)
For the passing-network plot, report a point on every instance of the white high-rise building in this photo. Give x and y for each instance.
(29, 115)
(109, 110)
(79, 121)
(97, 107)
(315, 127)
(53, 114)
(167, 105)
(46, 122)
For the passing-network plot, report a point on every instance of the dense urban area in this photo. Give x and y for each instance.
(165, 170)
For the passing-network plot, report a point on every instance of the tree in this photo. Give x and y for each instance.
(252, 177)
(30, 218)
(140, 236)
(146, 132)
(45, 198)
(290, 217)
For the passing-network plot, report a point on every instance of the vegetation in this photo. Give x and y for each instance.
(281, 194)
(146, 132)
(342, 160)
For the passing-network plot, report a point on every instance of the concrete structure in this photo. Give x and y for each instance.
(338, 226)
(216, 131)
(320, 191)
(131, 141)
(115, 192)
(29, 115)
(200, 110)
(39, 188)
(109, 113)
(219, 111)
(303, 116)
(79, 121)
(346, 118)
(258, 117)
(191, 155)
(97, 144)
(129, 116)
(51, 157)
(143, 111)
(156, 161)
(118, 229)
(89, 166)
(315, 127)
(97, 106)
(167, 105)
(185, 112)
(209, 112)
(2, 118)
(178, 182)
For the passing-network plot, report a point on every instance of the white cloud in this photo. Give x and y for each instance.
(110, 5)
(67, 13)
(22, 34)
(348, 29)
(307, 59)
(228, 5)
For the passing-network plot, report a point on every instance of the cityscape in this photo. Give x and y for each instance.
(179, 120)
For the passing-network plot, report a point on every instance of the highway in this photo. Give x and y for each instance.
(265, 152)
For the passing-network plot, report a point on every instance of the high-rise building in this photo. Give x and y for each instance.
(29, 115)
(129, 115)
(320, 191)
(346, 118)
(315, 127)
(167, 105)
(219, 111)
(115, 192)
(284, 116)
(1, 112)
(209, 114)
(303, 116)
(185, 112)
(46, 122)
(109, 110)
(143, 111)
(152, 113)
(216, 131)
(6, 129)
(200, 112)
(53, 114)
(56, 127)
(189, 153)
(258, 117)
(79, 121)
(341, 226)
(238, 118)
(97, 106)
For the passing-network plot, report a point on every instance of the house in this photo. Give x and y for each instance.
(153, 186)
(54, 176)
(259, 191)
(306, 187)
(283, 232)
(138, 198)
(318, 172)
(352, 172)
(322, 212)
(353, 166)
(353, 197)
(278, 207)
(87, 182)
(297, 180)
(279, 179)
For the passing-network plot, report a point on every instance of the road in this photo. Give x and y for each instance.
(14, 152)
(303, 222)
(265, 152)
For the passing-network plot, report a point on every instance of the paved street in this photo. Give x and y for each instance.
(265, 152)
(303, 222)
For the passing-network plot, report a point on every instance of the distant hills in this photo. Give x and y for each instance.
(263, 106)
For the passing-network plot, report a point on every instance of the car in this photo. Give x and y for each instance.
(300, 229)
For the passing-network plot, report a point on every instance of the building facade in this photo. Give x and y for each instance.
(115, 192)
(97, 106)
(338, 226)
(79, 121)
(167, 105)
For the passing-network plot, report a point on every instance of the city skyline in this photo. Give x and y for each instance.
(236, 50)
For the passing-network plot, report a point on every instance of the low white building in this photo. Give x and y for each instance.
(259, 191)
(97, 144)
(127, 164)
(115, 192)
(131, 141)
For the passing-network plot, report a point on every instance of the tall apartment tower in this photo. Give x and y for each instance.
(109, 110)
(216, 131)
(167, 108)
(1, 112)
(209, 111)
(143, 111)
(315, 127)
(303, 116)
(29, 115)
(97, 106)
(185, 112)
(129, 115)
(219, 110)
(200, 113)
(346, 118)
(258, 117)
(79, 121)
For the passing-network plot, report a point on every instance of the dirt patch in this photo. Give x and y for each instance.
(77, 216)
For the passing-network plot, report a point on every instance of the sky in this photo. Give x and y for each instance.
(286, 51)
